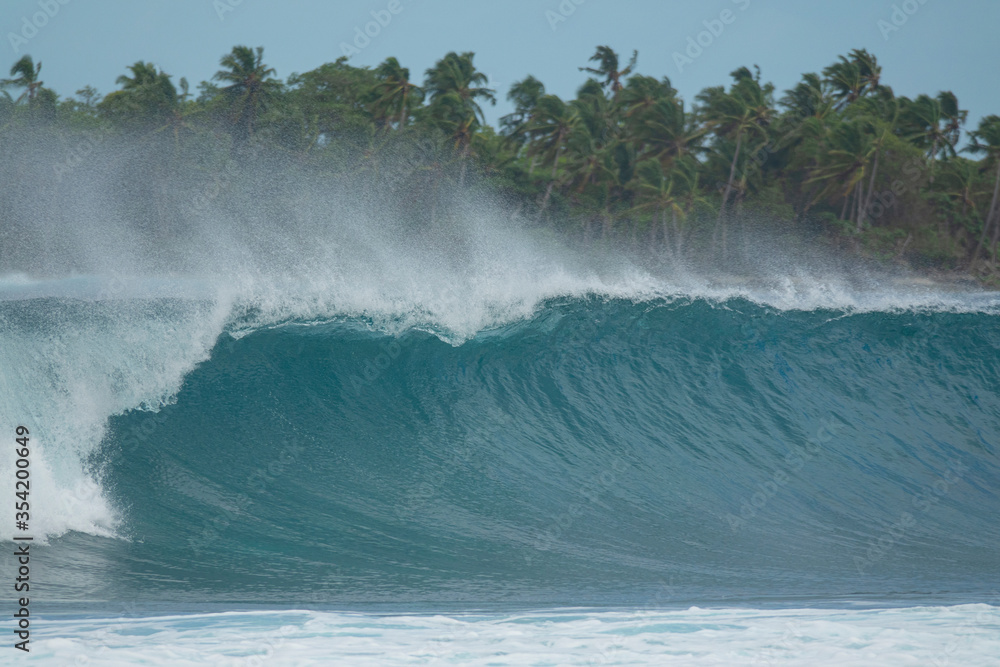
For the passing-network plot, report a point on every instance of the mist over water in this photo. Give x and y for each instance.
(386, 226)
(130, 282)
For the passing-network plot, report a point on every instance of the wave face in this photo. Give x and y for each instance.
(601, 450)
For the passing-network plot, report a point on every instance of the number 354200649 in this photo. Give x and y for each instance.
(22, 483)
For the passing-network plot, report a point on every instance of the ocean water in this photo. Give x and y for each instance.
(957, 635)
(564, 468)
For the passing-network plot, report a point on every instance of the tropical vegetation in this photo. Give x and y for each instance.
(839, 158)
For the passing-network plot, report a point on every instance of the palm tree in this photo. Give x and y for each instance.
(934, 123)
(957, 185)
(850, 149)
(879, 113)
(88, 96)
(251, 88)
(871, 71)
(513, 127)
(457, 121)
(601, 116)
(799, 133)
(524, 95)
(455, 86)
(553, 121)
(665, 192)
(986, 141)
(809, 99)
(395, 90)
(664, 131)
(152, 90)
(959, 181)
(853, 76)
(24, 74)
(641, 93)
(143, 74)
(607, 67)
(148, 100)
(743, 112)
(456, 75)
(176, 120)
(588, 157)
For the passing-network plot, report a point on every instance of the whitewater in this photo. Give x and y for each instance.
(315, 432)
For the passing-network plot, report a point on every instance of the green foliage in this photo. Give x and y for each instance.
(839, 153)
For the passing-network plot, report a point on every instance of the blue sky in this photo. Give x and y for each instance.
(923, 47)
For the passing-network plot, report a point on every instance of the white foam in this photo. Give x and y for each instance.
(78, 365)
(964, 635)
(65, 368)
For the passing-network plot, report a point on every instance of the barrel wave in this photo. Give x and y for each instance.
(289, 412)
(599, 451)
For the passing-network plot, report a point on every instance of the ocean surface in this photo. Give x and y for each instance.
(590, 469)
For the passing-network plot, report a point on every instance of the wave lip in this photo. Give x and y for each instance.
(80, 350)
(69, 363)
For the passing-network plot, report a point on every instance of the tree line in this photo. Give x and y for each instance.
(838, 155)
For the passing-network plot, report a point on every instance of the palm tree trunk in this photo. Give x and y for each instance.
(545, 198)
(436, 176)
(909, 237)
(993, 244)
(739, 199)
(678, 233)
(871, 187)
(931, 162)
(843, 210)
(555, 171)
(732, 174)
(989, 217)
(858, 199)
(464, 157)
(663, 226)
(720, 223)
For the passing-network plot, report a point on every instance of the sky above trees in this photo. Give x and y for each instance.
(922, 46)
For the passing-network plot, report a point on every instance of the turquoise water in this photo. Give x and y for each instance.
(585, 479)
